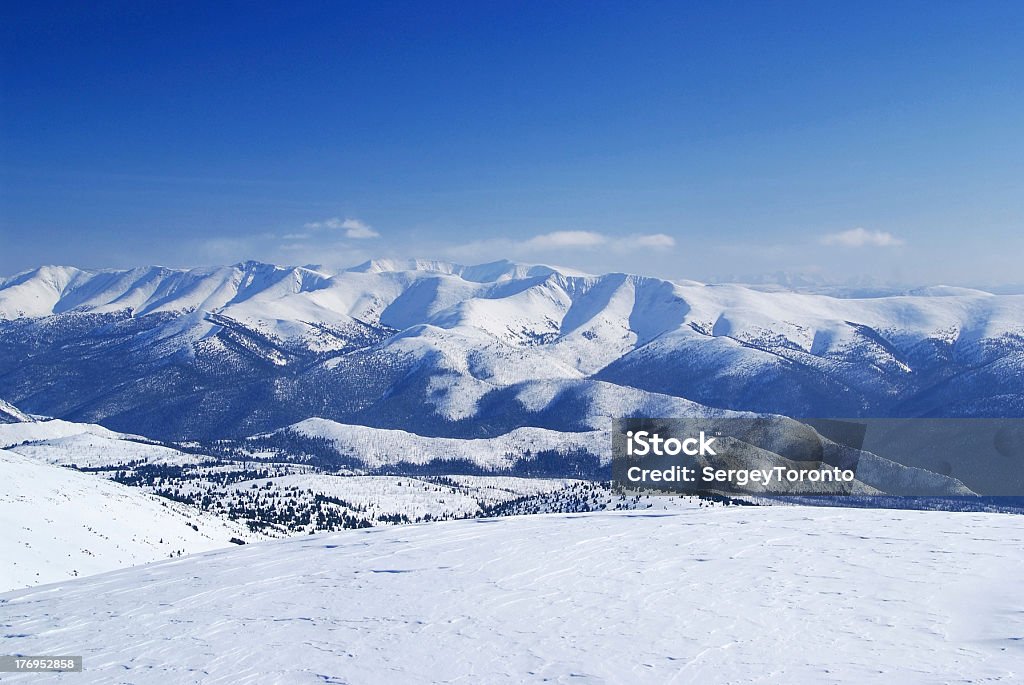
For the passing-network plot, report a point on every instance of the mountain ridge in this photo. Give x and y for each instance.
(448, 350)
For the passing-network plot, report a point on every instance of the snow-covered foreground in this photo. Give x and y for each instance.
(774, 595)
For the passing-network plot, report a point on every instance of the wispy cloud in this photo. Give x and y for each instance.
(560, 244)
(659, 241)
(354, 228)
(563, 239)
(861, 237)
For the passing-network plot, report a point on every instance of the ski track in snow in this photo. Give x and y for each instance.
(738, 595)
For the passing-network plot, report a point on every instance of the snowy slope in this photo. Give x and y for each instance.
(68, 443)
(11, 414)
(59, 523)
(780, 595)
(84, 450)
(54, 429)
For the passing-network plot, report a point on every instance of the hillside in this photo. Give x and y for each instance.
(375, 447)
(59, 523)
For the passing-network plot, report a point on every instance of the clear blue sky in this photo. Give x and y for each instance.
(688, 140)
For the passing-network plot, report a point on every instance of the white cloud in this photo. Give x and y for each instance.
(354, 228)
(862, 237)
(560, 240)
(654, 240)
(563, 239)
(558, 244)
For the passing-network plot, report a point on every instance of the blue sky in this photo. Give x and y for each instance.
(711, 141)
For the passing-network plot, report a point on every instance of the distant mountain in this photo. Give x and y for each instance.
(446, 350)
(537, 451)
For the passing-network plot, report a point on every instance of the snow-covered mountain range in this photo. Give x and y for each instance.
(447, 350)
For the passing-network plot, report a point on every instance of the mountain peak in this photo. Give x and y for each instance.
(385, 265)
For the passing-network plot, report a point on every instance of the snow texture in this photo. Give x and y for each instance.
(779, 595)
